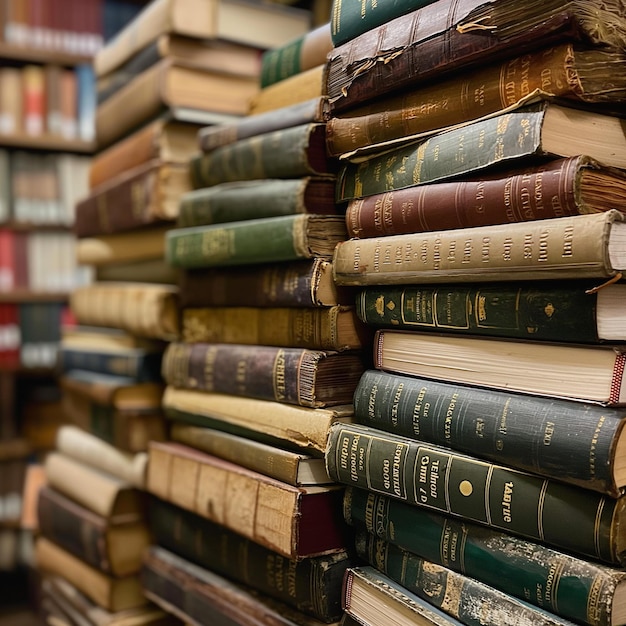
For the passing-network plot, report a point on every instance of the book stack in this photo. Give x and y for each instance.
(474, 464)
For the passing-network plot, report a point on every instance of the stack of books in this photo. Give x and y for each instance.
(484, 171)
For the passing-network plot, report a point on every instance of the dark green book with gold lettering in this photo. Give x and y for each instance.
(578, 589)
(453, 483)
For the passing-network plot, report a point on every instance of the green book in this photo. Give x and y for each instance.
(541, 130)
(453, 483)
(580, 590)
(263, 240)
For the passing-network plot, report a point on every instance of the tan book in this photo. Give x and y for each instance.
(296, 89)
(150, 271)
(255, 24)
(169, 86)
(11, 116)
(112, 594)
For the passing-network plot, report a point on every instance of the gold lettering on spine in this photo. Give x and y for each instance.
(279, 376)
(568, 242)
(593, 449)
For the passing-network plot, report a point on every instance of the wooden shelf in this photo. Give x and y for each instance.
(26, 295)
(40, 55)
(46, 142)
(13, 449)
(36, 226)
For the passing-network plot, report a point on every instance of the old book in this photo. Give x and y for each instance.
(297, 428)
(255, 25)
(144, 309)
(440, 38)
(311, 585)
(111, 593)
(102, 493)
(62, 601)
(334, 328)
(465, 598)
(295, 522)
(167, 85)
(561, 71)
(298, 55)
(578, 372)
(290, 152)
(287, 466)
(77, 335)
(115, 549)
(539, 131)
(86, 448)
(150, 271)
(145, 244)
(557, 188)
(206, 54)
(307, 283)
(192, 593)
(254, 199)
(292, 90)
(145, 195)
(453, 483)
(314, 110)
(261, 240)
(578, 247)
(575, 442)
(580, 590)
(564, 311)
(165, 140)
(300, 376)
(375, 600)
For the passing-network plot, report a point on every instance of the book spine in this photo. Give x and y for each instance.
(540, 193)
(571, 441)
(559, 248)
(312, 585)
(545, 311)
(142, 367)
(450, 482)
(551, 71)
(465, 598)
(577, 589)
(310, 111)
(78, 533)
(278, 374)
(285, 153)
(464, 150)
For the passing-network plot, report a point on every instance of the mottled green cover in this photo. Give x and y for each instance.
(451, 482)
(281, 62)
(578, 589)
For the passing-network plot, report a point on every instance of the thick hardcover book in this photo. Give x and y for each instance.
(291, 152)
(334, 328)
(314, 110)
(377, 600)
(577, 589)
(167, 141)
(465, 598)
(563, 311)
(311, 585)
(147, 194)
(582, 247)
(294, 468)
(565, 72)
(295, 522)
(298, 55)
(144, 309)
(261, 240)
(557, 188)
(109, 592)
(575, 442)
(297, 428)
(115, 549)
(543, 130)
(167, 86)
(192, 593)
(453, 483)
(104, 494)
(242, 22)
(252, 199)
(307, 283)
(446, 36)
(578, 372)
(300, 376)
